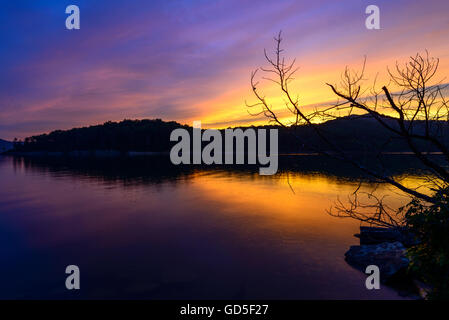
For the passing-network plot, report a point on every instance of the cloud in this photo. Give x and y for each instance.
(184, 60)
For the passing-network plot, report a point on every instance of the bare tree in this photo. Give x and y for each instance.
(416, 112)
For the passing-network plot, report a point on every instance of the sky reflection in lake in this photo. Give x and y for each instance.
(138, 229)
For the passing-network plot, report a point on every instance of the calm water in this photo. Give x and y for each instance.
(140, 228)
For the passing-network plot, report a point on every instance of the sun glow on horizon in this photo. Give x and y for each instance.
(179, 63)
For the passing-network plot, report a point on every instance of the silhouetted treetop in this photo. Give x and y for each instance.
(361, 134)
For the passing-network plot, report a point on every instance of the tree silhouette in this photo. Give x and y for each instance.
(416, 114)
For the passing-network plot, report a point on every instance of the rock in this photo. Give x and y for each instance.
(376, 235)
(388, 256)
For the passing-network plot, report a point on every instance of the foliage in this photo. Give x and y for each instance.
(430, 257)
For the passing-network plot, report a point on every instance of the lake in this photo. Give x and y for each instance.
(141, 228)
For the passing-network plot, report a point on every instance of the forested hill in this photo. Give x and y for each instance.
(354, 133)
(127, 135)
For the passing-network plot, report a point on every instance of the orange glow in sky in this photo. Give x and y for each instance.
(192, 61)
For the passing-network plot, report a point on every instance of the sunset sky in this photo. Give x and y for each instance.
(190, 60)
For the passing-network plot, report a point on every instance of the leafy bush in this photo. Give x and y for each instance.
(430, 257)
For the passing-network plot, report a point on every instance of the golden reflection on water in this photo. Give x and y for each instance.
(291, 196)
(218, 230)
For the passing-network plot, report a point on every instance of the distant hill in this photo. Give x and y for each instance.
(353, 133)
(127, 135)
(5, 145)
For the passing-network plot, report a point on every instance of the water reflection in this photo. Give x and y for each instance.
(142, 228)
